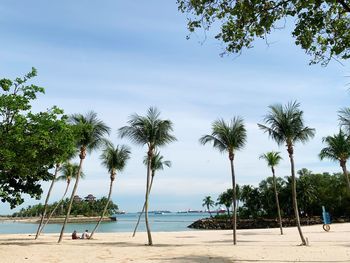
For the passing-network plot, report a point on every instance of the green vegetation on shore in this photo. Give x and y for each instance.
(314, 190)
(85, 208)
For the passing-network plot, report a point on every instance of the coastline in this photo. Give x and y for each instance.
(55, 220)
(253, 245)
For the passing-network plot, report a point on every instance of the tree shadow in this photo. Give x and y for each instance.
(287, 261)
(15, 239)
(25, 244)
(131, 244)
(196, 259)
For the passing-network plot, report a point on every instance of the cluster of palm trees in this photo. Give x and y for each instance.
(283, 123)
(147, 130)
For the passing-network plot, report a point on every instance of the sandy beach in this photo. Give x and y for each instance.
(263, 245)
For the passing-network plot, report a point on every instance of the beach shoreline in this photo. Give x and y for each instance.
(58, 220)
(253, 245)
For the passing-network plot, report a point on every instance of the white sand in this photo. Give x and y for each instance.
(263, 245)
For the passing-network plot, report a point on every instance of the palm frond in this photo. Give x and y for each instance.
(69, 171)
(226, 137)
(272, 158)
(285, 124)
(149, 129)
(115, 158)
(157, 162)
(337, 147)
(90, 130)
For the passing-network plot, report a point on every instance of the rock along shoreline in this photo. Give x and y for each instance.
(222, 224)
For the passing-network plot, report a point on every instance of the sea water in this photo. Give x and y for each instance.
(125, 223)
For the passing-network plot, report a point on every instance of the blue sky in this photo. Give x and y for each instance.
(121, 57)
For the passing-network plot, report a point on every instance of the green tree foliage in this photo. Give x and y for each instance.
(337, 149)
(314, 191)
(226, 199)
(321, 27)
(208, 202)
(84, 208)
(31, 143)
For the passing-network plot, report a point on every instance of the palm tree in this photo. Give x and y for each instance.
(273, 159)
(338, 149)
(154, 132)
(157, 164)
(225, 198)
(69, 171)
(57, 168)
(90, 133)
(68, 154)
(114, 159)
(208, 202)
(228, 137)
(286, 126)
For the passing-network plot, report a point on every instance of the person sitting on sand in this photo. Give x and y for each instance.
(85, 235)
(75, 235)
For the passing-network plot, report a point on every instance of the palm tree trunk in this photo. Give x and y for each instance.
(234, 212)
(105, 209)
(82, 157)
(294, 196)
(46, 201)
(277, 201)
(53, 211)
(209, 211)
(345, 172)
(150, 243)
(143, 208)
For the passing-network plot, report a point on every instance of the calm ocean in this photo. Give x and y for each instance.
(125, 223)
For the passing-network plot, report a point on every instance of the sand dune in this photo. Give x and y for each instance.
(263, 245)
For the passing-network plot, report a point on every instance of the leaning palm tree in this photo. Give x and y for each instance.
(90, 133)
(57, 168)
(157, 164)
(338, 149)
(154, 132)
(228, 137)
(273, 159)
(208, 202)
(285, 125)
(114, 159)
(69, 153)
(69, 171)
